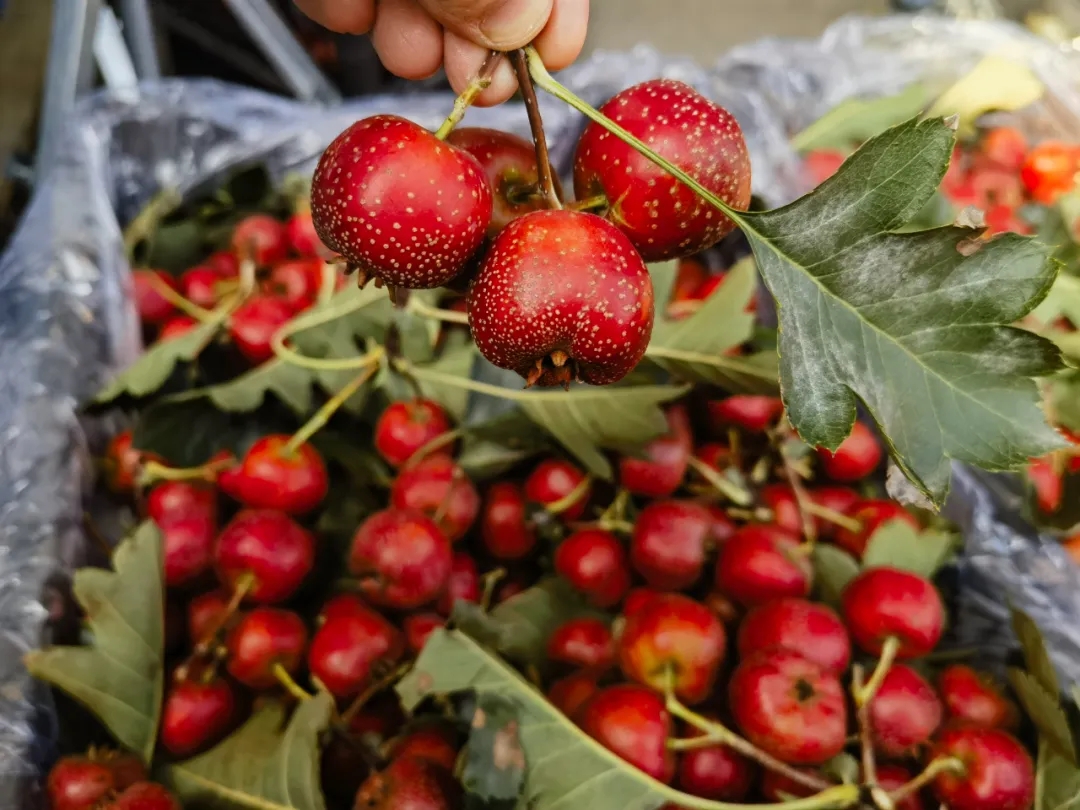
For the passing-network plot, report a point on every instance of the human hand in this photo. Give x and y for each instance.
(414, 38)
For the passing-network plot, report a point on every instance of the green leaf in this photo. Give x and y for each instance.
(1057, 781)
(995, 83)
(565, 769)
(906, 322)
(856, 120)
(1065, 396)
(833, 570)
(260, 766)
(458, 361)
(1044, 709)
(898, 544)
(494, 770)
(147, 374)
(491, 448)
(664, 275)
(120, 676)
(695, 348)
(1063, 300)
(1036, 658)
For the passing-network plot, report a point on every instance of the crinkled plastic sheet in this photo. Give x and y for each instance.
(66, 323)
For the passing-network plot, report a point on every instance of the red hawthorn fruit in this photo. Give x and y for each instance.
(262, 238)
(504, 524)
(1004, 219)
(410, 783)
(716, 454)
(399, 204)
(781, 501)
(637, 598)
(127, 769)
(1050, 170)
(346, 647)
(121, 463)
(296, 282)
(204, 613)
(821, 164)
(894, 777)
(195, 715)
(842, 500)
(1047, 483)
(438, 487)
(664, 218)
(996, 187)
(722, 528)
(570, 693)
(883, 602)
(268, 546)
(344, 604)
(253, 326)
(752, 413)
(170, 500)
(857, 456)
(145, 796)
(670, 542)
(1005, 147)
(225, 263)
(300, 233)
(199, 286)
(175, 327)
(188, 545)
(434, 742)
(972, 699)
(594, 562)
(673, 637)
(405, 427)
(715, 772)
(871, 515)
(463, 584)
(554, 479)
(152, 306)
(904, 712)
(762, 563)
(562, 296)
(632, 722)
(418, 627)
(811, 629)
(998, 772)
(789, 707)
(263, 638)
(78, 783)
(271, 476)
(583, 642)
(509, 163)
(402, 558)
(663, 462)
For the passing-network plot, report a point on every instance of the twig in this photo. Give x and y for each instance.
(802, 500)
(287, 682)
(331, 406)
(418, 307)
(479, 83)
(189, 308)
(888, 654)
(536, 124)
(866, 743)
(570, 499)
(729, 490)
(390, 678)
(930, 773)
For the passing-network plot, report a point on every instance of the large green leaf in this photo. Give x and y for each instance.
(1045, 712)
(1036, 658)
(853, 121)
(494, 762)
(899, 545)
(916, 325)
(565, 769)
(261, 766)
(120, 676)
(1057, 781)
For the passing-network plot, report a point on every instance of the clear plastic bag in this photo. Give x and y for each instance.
(66, 323)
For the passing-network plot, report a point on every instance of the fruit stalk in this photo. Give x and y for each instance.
(802, 500)
(173, 297)
(888, 654)
(288, 684)
(418, 307)
(442, 440)
(479, 83)
(733, 492)
(571, 498)
(331, 406)
(208, 642)
(376, 686)
(543, 161)
(869, 765)
(930, 773)
(154, 471)
(287, 355)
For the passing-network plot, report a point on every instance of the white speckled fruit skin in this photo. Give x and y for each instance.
(664, 218)
(399, 203)
(563, 280)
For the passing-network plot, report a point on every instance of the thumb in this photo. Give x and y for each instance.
(499, 24)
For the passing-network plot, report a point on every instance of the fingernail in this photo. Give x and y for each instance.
(515, 23)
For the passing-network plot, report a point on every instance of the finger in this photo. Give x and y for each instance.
(409, 42)
(463, 60)
(343, 16)
(499, 24)
(562, 39)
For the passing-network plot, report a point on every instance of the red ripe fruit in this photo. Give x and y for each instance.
(145, 796)
(198, 285)
(715, 772)
(262, 238)
(871, 515)
(1050, 170)
(904, 712)
(672, 636)
(1005, 147)
(263, 638)
(196, 715)
(151, 305)
(637, 598)
(253, 326)
(789, 707)
(504, 524)
(176, 326)
(593, 561)
(418, 627)
(346, 647)
(405, 427)
(762, 563)
(583, 642)
(894, 777)
(344, 604)
(570, 693)
(435, 743)
(399, 204)
(554, 479)
(1047, 483)
(998, 772)
(170, 500)
(78, 783)
(632, 722)
(562, 296)
(857, 456)
(821, 164)
(296, 282)
(268, 546)
(127, 769)
(300, 233)
(402, 558)
(204, 614)
(665, 459)
(887, 602)
(188, 548)
(438, 487)
(121, 463)
(842, 500)
(670, 542)
(752, 413)
(463, 584)
(225, 263)
(273, 476)
(811, 629)
(781, 501)
(410, 783)
(664, 218)
(509, 163)
(973, 700)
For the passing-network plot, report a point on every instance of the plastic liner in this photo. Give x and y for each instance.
(66, 323)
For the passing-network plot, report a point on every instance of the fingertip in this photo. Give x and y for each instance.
(463, 59)
(562, 39)
(409, 42)
(342, 16)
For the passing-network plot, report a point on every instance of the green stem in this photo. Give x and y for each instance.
(568, 500)
(189, 308)
(405, 367)
(327, 283)
(545, 177)
(930, 773)
(479, 83)
(729, 490)
(153, 471)
(418, 307)
(885, 662)
(310, 321)
(866, 747)
(288, 684)
(440, 441)
(331, 406)
(596, 203)
(147, 220)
